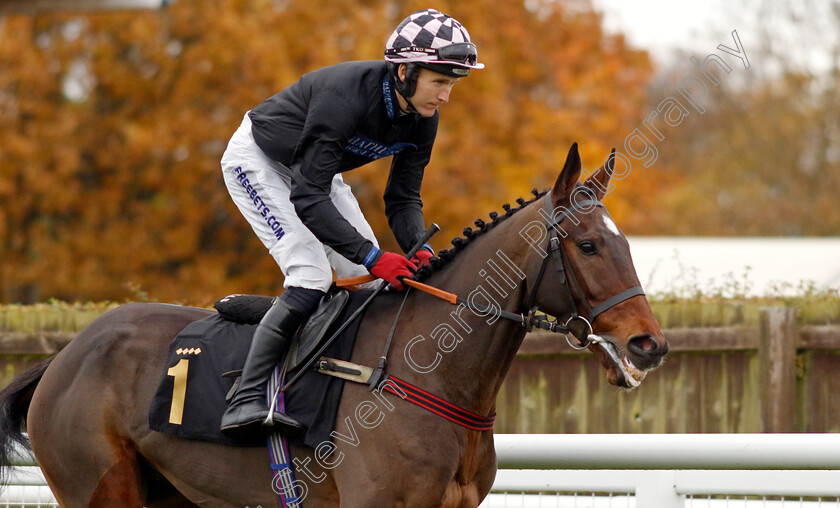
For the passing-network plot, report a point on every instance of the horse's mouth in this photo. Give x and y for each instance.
(620, 370)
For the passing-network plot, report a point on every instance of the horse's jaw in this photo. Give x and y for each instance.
(620, 369)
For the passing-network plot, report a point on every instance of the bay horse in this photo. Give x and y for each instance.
(86, 408)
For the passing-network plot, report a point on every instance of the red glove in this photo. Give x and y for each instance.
(422, 258)
(391, 267)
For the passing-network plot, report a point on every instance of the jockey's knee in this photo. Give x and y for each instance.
(309, 277)
(303, 299)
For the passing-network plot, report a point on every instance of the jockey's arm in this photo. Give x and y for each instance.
(328, 129)
(403, 205)
(325, 136)
(316, 210)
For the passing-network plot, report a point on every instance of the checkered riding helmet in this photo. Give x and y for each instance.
(433, 40)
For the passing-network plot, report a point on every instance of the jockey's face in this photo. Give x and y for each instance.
(433, 89)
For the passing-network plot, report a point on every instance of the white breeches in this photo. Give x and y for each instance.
(262, 195)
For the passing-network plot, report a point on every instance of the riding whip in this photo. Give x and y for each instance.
(434, 228)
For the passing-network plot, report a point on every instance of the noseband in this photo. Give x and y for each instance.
(579, 325)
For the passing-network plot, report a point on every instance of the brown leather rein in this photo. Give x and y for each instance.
(578, 325)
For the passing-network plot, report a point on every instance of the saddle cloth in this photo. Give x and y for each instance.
(191, 397)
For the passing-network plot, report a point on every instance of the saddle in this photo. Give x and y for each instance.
(249, 310)
(205, 358)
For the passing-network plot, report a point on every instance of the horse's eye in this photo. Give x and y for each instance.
(588, 248)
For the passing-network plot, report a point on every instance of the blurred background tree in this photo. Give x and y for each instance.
(764, 159)
(112, 126)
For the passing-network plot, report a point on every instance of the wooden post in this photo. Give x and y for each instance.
(777, 355)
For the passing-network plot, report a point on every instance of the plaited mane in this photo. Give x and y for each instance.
(445, 256)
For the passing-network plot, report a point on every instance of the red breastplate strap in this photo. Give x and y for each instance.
(437, 405)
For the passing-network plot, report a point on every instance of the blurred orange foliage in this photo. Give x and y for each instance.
(112, 126)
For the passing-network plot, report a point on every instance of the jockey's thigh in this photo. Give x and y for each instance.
(263, 197)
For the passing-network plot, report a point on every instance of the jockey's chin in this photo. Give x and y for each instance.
(427, 110)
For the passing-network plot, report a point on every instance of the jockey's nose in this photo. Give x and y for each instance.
(646, 350)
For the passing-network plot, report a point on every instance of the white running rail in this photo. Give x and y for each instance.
(667, 470)
(623, 471)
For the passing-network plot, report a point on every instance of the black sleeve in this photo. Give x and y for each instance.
(329, 125)
(403, 205)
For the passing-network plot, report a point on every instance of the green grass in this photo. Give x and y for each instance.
(730, 303)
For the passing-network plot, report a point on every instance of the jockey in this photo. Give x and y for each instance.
(283, 169)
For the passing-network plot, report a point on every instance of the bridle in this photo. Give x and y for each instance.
(569, 282)
(571, 323)
(578, 325)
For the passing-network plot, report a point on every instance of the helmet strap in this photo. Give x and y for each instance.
(407, 87)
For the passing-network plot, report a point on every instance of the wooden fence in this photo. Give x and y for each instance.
(762, 374)
(773, 376)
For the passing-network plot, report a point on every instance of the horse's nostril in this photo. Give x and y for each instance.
(644, 344)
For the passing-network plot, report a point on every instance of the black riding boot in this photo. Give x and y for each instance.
(248, 409)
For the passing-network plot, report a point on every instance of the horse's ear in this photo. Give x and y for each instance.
(599, 182)
(569, 177)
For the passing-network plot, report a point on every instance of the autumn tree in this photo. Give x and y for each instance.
(112, 126)
(763, 159)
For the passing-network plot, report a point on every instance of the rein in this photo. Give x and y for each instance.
(529, 320)
(571, 287)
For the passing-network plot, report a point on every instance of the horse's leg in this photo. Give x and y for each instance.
(160, 493)
(396, 464)
(120, 485)
(86, 464)
(409, 488)
(386, 466)
(86, 407)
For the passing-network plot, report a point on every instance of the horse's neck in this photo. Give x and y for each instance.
(488, 272)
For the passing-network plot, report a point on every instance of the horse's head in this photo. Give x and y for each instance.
(582, 273)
